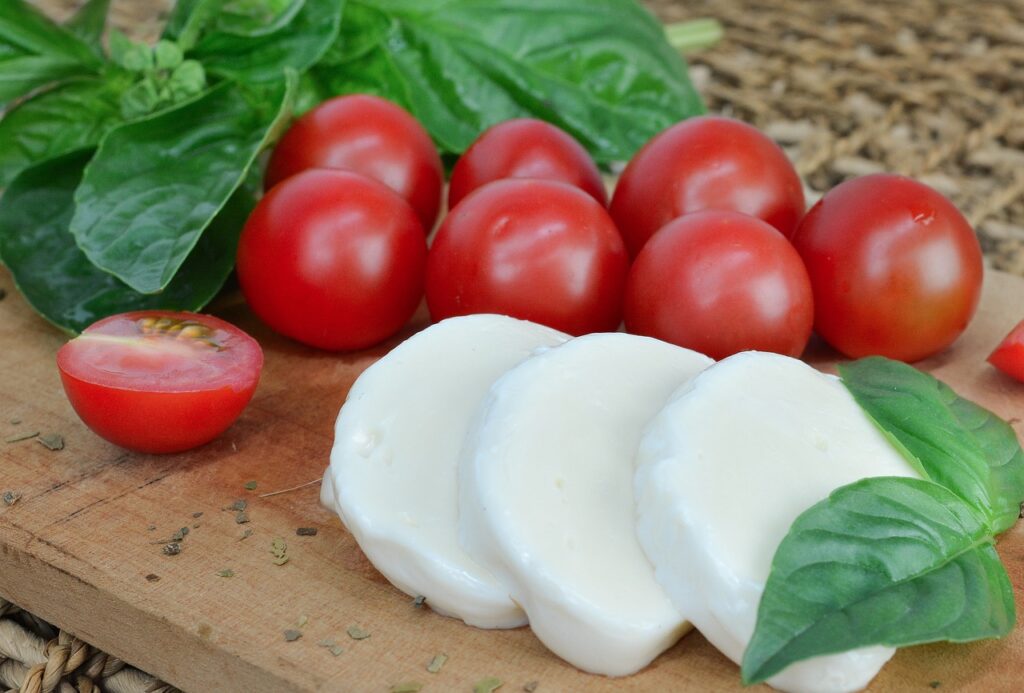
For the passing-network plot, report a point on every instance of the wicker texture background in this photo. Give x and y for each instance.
(928, 88)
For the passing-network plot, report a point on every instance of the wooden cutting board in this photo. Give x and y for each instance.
(78, 549)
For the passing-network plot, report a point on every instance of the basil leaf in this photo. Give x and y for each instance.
(59, 281)
(256, 17)
(602, 70)
(259, 58)
(22, 74)
(155, 184)
(954, 442)
(56, 122)
(88, 24)
(25, 28)
(187, 20)
(883, 561)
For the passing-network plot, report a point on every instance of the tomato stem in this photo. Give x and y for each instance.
(694, 35)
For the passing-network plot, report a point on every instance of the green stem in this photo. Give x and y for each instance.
(693, 35)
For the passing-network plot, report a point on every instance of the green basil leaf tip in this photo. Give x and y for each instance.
(951, 440)
(883, 561)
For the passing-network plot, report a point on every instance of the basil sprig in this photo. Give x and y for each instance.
(162, 137)
(899, 561)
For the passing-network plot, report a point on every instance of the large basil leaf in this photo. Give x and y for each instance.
(25, 28)
(256, 17)
(255, 57)
(59, 281)
(953, 441)
(155, 184)
(56, 122)
(88, 24)
(600, 69)
(23, 73)
(883, 561)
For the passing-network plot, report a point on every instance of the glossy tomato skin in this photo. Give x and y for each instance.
(536, 250)
(895, 267)
(706, 163)
(370, 136)
(719, 283)
(156, 391)
(333, 260)
(1009, 355)
(525, 148)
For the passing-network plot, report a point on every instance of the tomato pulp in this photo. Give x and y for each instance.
(160, 381)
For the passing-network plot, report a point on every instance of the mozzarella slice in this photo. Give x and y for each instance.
(722, 473)
(392, 476)
(546, 500)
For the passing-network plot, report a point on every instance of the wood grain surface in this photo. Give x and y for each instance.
(77, 549)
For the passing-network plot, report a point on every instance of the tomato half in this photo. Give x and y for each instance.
(370, 136)
(160, 381)
(1009, 355)
(332, 259)
(896, 269)
(535, 250)
(720, 283)
(525, 148)
(706, 163)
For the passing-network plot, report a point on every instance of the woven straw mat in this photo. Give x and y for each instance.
(932, 89)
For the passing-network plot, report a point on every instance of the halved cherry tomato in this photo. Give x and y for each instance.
(370, 136)
(525, 148)
(706, 163)
(1009, 355)
(160, 381)
(719, 283)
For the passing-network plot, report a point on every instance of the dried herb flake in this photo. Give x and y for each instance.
(226, 573)
(306, 531)
(11, 497)
(18, 437)
(15, 421)
(180, 534)
(172, 549)
(279, 550)
(246, 534)
(531, 686)
(407, 687)
(437, 662)
(241, 518)
(488, 685)
(334, 648)
(197, 515)
(238, 506)
(152, 577)
(419, 601)
(250, 485)
(291, 635)
(52, 441)
(303, 620)
(357, 633)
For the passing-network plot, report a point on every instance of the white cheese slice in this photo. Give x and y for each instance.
(546, 499)
(724, 470)
(392, 476)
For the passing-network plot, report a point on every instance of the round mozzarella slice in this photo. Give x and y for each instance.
(722, 473)
(392, 476)
(546, 498)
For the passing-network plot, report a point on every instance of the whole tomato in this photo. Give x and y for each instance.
(332, 259)
(896, 269)
(706, 163)
(535, 250)
(719, 283)
(525, 148)
(370, 136)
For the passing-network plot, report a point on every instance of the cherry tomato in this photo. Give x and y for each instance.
(525, 148)
(706, 163)
(896, 269)
(532, 249)
(719, 283)
(332, 259)
(1009, 355)
(370, 136)
(157, 381)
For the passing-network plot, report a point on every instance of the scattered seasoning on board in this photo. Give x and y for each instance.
(226, 573)
(18, 437)
(279, 549)
(357, 633)
(437, 662)
(331, 646)
(15, 421)
(250, 485)
(197, 515)
(180, 534)
(488, 685)
(531, 686)
(246, 534)
(241, 518)
(934, 684)
(291, 635)
(152, 577)
(306, 531)
(52, 441)
(172, 549)
(419, 601)
(407, 687)
(238, 506)
(303, 620)
(11, 497)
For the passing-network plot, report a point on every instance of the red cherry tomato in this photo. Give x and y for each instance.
(532, 249)
(706, 163)
(157, 381)
(370, 136)
(720, 283)
(333, 260)
(896, 269)
(1009, 355)
(525, 148)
